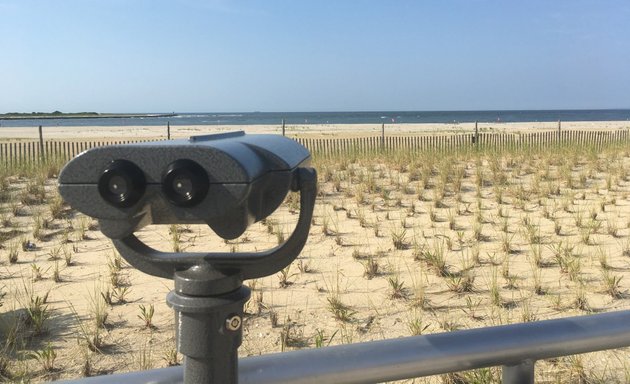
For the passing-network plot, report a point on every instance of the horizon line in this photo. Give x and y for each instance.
(339, 111)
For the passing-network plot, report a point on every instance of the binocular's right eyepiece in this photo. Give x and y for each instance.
(122, 184)
(185, 183)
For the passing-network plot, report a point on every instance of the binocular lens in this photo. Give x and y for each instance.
(185, 183)
(183, 186)
(117, 185)
(122, 184)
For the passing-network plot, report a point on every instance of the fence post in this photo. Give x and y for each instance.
(476, 137)
(282, 127)
(168, 130)
(41, 145)
(383, 137)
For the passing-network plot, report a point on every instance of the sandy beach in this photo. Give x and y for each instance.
(301, 130)
(519, 239)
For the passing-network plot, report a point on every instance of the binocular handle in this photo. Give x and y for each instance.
(245, 265)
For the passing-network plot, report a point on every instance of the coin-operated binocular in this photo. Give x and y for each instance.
(227, 181)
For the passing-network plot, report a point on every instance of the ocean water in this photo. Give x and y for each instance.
(372, 117)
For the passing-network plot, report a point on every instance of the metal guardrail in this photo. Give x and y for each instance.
(515, 347)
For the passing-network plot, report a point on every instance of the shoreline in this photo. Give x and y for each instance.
(296, 130)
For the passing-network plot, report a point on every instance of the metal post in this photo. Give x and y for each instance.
(282, 127)
(522, 373)
(208, 317)
(168, 130)
(42, 154)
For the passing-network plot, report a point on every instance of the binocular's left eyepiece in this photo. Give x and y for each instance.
(122, 184)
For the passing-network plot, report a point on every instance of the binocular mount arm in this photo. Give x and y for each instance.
(246, 265)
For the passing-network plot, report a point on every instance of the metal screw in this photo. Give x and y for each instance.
(233, 323)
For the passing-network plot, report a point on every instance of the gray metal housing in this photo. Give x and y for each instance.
(249, 176)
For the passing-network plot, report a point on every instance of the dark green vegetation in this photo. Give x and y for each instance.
(37, 115)
(77, 115)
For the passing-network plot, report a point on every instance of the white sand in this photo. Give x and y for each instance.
(107, 132)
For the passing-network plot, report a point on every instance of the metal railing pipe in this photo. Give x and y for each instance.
(394, 359)
(418, 356)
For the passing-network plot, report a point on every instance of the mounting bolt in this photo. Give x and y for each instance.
(233, 323)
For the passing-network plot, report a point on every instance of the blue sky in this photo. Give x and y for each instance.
(194, 55)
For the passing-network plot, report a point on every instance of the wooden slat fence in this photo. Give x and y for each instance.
(445, 142)
(18, 152)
